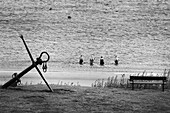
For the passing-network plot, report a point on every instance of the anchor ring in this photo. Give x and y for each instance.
(48, 56)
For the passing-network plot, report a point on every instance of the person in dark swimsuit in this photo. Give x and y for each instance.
(101, 61)
(81, 60)
(116, 60)
(91, 61)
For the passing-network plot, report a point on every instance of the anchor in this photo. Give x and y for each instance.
(38, 61)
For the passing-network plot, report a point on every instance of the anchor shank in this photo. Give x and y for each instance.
(27, 49)
(7, 84)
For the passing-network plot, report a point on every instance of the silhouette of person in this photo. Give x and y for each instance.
(91, 61)
(116, 60)
(101, 61)
(81, 60)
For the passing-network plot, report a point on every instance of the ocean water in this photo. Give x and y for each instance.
(138, 31)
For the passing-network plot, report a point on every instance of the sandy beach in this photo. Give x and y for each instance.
(85, 75)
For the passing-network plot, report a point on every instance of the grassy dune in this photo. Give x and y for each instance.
(66, 99)
(136, 30)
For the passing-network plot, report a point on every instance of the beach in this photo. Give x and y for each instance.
(75, 74)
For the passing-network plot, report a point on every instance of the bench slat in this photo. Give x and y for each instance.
(148, 83)
(147, 78)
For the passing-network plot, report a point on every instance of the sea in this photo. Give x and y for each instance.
(137, 31)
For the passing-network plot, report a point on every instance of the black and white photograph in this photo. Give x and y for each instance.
(84, 56)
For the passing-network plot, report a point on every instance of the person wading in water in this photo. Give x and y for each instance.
(116, 60)
(101, 61)
(91, 61)
(81, 60)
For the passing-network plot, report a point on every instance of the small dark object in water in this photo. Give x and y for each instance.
(50, 9)
(91, 62)
(81, 60)
(101, 61)
(69, 17)
(116, 62)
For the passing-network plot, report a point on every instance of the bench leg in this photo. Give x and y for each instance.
(163, 86)
(127, 84)
(132, 85)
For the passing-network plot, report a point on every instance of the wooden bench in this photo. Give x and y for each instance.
(148, 80)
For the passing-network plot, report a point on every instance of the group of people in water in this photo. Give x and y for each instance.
(81, 61)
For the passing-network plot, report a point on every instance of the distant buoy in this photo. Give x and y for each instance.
(50, 9)
(69, 17)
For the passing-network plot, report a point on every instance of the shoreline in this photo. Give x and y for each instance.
(84, 74)
(81, 77)
(58, 67)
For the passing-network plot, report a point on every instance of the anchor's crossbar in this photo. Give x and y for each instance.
(34, 64)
